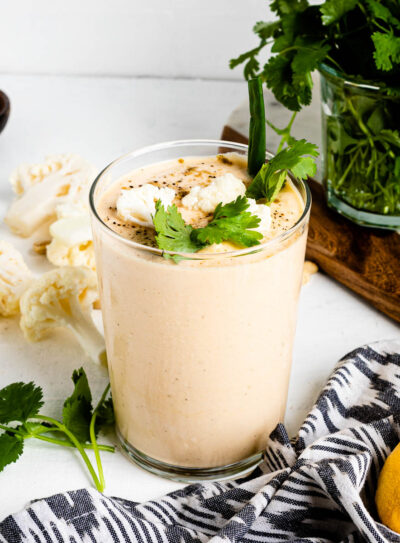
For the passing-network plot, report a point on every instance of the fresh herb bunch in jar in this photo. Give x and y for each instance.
(355, 45)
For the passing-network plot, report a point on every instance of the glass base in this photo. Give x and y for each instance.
(188, 475)
(364, 218)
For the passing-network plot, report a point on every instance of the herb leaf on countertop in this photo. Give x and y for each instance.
(19, 402)
(105, 415)
(77, 410)
(11, 449)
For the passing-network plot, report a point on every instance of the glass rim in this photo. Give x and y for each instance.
(193, 256)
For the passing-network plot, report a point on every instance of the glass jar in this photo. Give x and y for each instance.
(199, 351)
(360, 150)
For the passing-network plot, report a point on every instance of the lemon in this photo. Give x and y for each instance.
(387, 497)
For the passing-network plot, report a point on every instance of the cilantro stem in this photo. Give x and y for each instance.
(360, 122)
(286, 132)
(77, 444)
(107, 448)
(7, 429)
(257, 130)
(94, 441)
(63, 443)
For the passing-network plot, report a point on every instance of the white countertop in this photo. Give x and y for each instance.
(101, 118)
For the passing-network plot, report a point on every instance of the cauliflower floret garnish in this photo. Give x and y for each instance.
(15, 277)
(41, 188)
(138, 205)
(72, 242)
(63, 297)
(263, 212)
(222, 189)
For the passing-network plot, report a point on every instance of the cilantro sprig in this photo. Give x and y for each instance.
(230, 222)
(173, 234)
(270, 179)
(359, 37)
(296, 157)
(20, 419)
(360, 40)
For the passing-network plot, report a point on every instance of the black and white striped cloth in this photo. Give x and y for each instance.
(318, 487)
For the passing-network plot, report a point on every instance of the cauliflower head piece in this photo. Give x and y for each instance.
(42, 187)
(63, 297)
(15, 277)
(72, 241)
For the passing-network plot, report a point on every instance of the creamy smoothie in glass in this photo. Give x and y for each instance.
(199, 345)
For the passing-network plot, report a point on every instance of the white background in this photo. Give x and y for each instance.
(162, 38)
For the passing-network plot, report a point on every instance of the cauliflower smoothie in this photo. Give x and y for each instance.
(199, 348)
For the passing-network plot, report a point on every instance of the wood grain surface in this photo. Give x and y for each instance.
(365, 260)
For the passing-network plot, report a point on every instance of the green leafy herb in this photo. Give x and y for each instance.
(173, 234)
(387, 50)
(230, 222)
(333, 10)
(270, 179)
(11, 449)
(257, 142)
(21, 402)
(358, 37)
(77, 410)
(105, 415)
(361, 40)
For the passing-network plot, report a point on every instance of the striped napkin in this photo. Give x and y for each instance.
(318, 487)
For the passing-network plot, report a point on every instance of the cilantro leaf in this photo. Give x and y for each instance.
(278, 75)
(249, 57)
(77, 410)
(266, 184)
(333, 10)
(380, 11)
(105, 415)
(19, 402)
(231, 222)
(11, 449)
(22, 401)
(309, 55)
(286, 7)
(266, 30)
(387, 50)
(173, 234)
(269, 180)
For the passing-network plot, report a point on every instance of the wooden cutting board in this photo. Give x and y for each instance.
(365, 260)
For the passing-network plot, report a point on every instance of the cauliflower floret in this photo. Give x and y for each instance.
(138, 205)
(63, 297)
(222, 189)
(15, 277)
(71, 209)
(72, 242)
(263, 212)
(62, 179)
